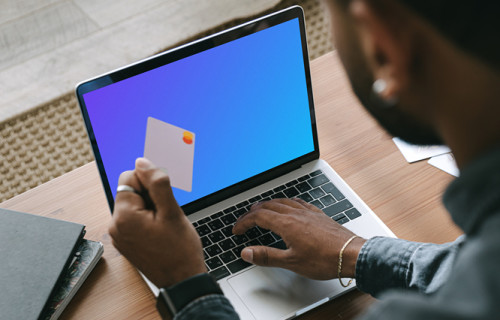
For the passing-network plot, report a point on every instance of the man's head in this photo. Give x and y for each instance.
(412, 45)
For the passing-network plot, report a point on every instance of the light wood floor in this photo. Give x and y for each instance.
(48, 46)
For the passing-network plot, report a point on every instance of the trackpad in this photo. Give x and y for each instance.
(272, 293)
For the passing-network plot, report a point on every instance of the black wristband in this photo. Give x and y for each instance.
(171, 300)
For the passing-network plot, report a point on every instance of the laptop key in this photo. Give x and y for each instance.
(239, 239)
(317, 193)
(292, 183)
(227, 244)
(303, 178)
(343, 220)
(237, 250)
(337, 208)
(253, 242)
(204, 220)
(353, 213)
(318, 204)
(267, 193)
(213, 250)
(254, 199)
(203, 230)
(266, 239)
(279, 245)
(216, 236)
(220, 273)
(306, 197)
(291, 192)
(238, 213)
(338, 217)
(327, 200)
(303, 187)
(253, 233)
(214, 263)
(227, 257)
(242, 204)
(217, 215)
(227, 231)
(279, 188)
(215, 224)
(278, 195)
(205, 242)
(315, 173)
(230, 209)
(318, 180)
(228, 219)
(330, 188)
(237, 265)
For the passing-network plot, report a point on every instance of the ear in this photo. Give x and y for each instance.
(384, 42)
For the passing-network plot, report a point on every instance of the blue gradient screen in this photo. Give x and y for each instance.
(245, 100)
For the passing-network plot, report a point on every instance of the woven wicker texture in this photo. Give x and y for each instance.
(51, 140)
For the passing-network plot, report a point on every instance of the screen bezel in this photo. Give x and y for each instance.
(186, 51)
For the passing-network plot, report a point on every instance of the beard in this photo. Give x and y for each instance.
(393, 119)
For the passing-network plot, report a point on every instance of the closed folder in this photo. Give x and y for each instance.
(34, 253)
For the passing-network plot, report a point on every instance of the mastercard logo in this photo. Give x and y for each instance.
(187, 137)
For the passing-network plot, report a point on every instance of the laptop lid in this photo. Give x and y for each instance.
(222, 114)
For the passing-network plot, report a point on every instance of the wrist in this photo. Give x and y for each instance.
(173, 299)
(350, 257)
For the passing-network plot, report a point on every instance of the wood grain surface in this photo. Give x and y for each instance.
(405, 196)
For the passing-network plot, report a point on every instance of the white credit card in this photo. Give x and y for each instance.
(414, 153)
(171, 148)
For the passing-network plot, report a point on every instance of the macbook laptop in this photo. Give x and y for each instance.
(231, 118)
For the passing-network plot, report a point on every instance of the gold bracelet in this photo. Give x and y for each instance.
(340, 261)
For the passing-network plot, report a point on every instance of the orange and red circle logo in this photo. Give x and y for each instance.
(187, 137)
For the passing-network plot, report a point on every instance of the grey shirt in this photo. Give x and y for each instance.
(457, 280)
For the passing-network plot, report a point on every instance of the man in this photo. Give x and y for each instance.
(428, 71)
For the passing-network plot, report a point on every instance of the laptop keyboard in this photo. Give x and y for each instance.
(222, 248)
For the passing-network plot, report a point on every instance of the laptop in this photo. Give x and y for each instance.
(231, 118)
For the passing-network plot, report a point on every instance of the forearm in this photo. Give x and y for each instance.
(387, 263)
(216, 307)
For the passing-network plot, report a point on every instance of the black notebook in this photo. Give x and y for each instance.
(34, 252)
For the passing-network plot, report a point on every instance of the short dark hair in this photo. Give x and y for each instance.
(472, 25)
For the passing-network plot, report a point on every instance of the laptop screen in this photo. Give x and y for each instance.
(212, 119)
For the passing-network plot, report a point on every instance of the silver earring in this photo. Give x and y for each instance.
(378, 88)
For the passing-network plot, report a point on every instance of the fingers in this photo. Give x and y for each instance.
(129, 200)
(267, 215)
(265, 256)
(263, 218)
(157, 183)
(309, 206)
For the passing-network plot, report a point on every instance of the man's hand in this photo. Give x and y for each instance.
(313, 239)
(151, 230)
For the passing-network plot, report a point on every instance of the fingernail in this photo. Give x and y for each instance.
(143, 163)
(247, 255)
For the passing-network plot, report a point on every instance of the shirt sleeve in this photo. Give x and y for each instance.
(214, 306)
(388, 263)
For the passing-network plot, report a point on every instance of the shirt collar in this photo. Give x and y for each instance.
(475, 195)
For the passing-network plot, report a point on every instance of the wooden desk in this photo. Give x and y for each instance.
(405, 196)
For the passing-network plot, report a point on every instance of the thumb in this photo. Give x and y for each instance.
(157, 184)
(264, 256)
